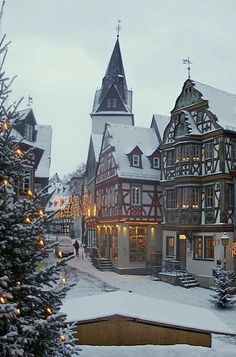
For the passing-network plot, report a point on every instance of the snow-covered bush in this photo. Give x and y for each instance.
(224, 294)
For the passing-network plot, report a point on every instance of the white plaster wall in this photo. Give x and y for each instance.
(98, 122)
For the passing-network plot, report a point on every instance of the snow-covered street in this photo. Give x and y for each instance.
(91, 281)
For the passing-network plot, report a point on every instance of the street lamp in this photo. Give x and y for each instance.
(224, 242)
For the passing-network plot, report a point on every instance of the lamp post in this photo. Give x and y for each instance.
(225, 242)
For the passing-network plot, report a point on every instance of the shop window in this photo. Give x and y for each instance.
(114, 243)
(137, 244)
(170, 246)
(204, 247)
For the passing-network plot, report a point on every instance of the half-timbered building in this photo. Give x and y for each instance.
(128, 197)
(112, 103)
(198, 160)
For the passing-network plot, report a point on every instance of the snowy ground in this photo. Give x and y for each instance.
(91, 281)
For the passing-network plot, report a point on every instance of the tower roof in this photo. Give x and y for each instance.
(114, 77)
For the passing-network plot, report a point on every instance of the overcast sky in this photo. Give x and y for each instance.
(60, 51)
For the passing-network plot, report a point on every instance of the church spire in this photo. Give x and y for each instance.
(115, 74)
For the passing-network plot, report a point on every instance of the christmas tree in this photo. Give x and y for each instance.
(224, 293)
(31, 290)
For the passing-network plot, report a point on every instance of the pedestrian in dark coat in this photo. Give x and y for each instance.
(76, 246)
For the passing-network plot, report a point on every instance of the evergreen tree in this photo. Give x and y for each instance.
(31, 290)
(223, 296)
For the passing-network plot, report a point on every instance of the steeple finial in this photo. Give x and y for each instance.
(188, 62)
(118, 29)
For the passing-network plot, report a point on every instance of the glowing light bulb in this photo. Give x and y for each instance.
(29, 193)
(5, 182)
(2, 299)
(63, 280)
(18, 152)
(48, 311)
(62, 338)
(17, 311)
(41, 242)
(27, 220)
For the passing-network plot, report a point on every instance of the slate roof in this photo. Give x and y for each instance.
(221, 103)
(159, 123)
(114, 72)
(124, 139)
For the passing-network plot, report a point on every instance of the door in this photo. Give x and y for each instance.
(182, 249)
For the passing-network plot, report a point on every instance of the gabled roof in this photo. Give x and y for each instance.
(159, 123)
(221, 103)
(23, 114)
(124, 139)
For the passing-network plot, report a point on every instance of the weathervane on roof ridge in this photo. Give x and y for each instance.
(30, 101)
(188, 62)
(118, 29)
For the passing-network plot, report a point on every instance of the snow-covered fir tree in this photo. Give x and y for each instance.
(31, 291)
(224, 293)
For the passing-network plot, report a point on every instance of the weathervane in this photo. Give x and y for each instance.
(188, 62)
(118, 28)
(30, 101)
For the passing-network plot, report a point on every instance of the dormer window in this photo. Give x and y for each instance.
(136, 161)
(111, 102)
(28, 132)
(156, 163)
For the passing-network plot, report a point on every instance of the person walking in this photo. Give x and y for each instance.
(76, 246)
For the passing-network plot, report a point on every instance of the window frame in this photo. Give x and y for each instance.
(170, 246)
(28, 132)
(135, 196)
(155, 162)
(136, 160)
(209, 196)
(203, 248)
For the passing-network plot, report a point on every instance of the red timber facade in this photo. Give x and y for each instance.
(198, 159)
(128, 198)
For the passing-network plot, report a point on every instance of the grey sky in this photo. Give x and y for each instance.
(60, 50)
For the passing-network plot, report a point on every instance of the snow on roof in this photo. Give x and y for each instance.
(125, 138)
(221, 103)
(161, 122)
(44, 139)
(192, 125)
(23, 113)
(144, 308)
(97, 141)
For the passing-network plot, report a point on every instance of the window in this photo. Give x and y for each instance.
(25, 182)
(209, 198)
(196, 152)
(109, 102)
(169, 158)
(136, 160)
(198, 247)
(170, 246)
(200, 116)
(186, 152)
(156, 163)
(195, 197)
(170, 199)
(28, 132)
(204, 247)
(114, 243)
(114, 102)
(135, 195)
(186, 197)
(178, 155)
(137, 244)
(208, 150)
